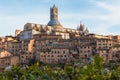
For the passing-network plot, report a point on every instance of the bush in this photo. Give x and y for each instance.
(92, 71)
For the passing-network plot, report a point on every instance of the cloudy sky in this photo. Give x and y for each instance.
(99, 16)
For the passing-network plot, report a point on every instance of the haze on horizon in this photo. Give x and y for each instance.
(99, 16)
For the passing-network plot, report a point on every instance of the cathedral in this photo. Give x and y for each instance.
(53, 27)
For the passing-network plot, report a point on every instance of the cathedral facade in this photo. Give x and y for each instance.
(53, 27)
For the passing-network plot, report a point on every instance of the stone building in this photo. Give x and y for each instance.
(8, 61)
(25, 58)
(53, 27)
(92, 44)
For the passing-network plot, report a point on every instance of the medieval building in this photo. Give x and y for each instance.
(53, 27)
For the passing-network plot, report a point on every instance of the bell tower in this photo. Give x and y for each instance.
(54, 13)
(54, 17)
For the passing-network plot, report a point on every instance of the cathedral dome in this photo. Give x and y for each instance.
(53, 23)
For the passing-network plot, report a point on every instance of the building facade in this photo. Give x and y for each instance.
(53, 44)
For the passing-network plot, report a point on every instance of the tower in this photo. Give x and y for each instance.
(54, 17)
(54, 13)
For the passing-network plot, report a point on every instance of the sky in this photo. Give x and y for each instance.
(99, 16)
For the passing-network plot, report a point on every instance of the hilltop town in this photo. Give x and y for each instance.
(54, 44)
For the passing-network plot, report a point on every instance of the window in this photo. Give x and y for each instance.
(88, 51)
(52, 52)
(8, 63)
(22, 56)
(52, 56)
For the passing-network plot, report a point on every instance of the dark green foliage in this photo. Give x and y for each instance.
(96, 70)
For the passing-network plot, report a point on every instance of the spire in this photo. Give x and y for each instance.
(77, 27)
(82, 27)
(54, 6)
(87, 30)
